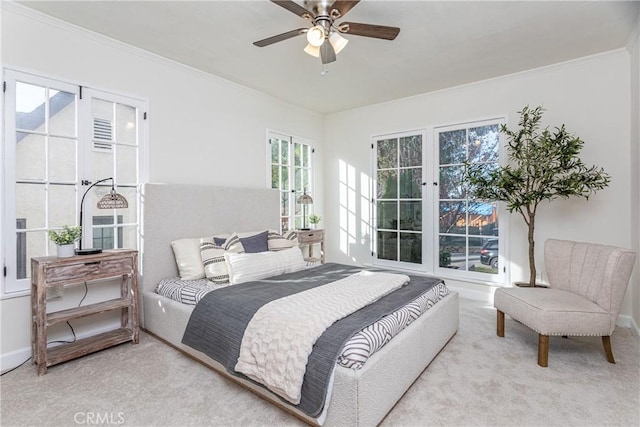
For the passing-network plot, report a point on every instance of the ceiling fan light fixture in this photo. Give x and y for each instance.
(338, 42)
(315, 36)
(312, 50)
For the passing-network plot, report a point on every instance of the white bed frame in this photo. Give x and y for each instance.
(359, 397)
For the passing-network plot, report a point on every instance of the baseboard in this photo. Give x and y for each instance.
(15, 358)
(626, 321)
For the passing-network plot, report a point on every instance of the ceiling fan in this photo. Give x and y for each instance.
(324, 39)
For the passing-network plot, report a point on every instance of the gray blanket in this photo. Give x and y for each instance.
(218, 322)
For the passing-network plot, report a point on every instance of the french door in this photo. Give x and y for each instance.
(398, 212)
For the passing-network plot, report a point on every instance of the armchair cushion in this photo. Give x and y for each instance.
(553, 311)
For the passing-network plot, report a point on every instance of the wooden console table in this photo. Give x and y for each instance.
(49, 272)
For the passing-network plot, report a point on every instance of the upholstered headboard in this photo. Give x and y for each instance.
(174, 211)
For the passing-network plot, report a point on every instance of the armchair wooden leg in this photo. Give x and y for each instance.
(500, 323)
(543, 350)
(606, 342)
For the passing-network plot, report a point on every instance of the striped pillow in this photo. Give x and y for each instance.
(215, 267)
(212, 255)
(278, 242)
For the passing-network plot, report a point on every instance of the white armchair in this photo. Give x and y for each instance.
(587, 283)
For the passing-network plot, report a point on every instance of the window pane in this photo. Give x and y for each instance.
(275, 176)
(411, 216)
(453, 217)
(284, 152)
(284, 175)
(285, 203)
(297, 155)
(37, 242)
(483, 219)
(411, 151)
(30, 156)
(451, 181)
(411, 183)
(126, 129)
(30, 107)
(102, 110)
(285, 224)
(31, 204)
(305, 179)
(62, 159)
(306, 153)
(388, 215)
(453, 147)
(387, 184)
(452, 251)
(388, 245)
(275, 150)
(126, 162)
(483, 143)
(387, 153)
(62, 113)
(298, 180)
(62, 205)
(102, 161)
(411, 247)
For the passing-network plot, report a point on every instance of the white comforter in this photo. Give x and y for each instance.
(280, 336)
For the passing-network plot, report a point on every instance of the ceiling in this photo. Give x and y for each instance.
(441, 43)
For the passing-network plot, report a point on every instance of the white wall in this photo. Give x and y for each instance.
(202, 129)
(590, 96)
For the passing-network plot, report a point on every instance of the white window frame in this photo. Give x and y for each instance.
(293, 195)
(11, 286)
(430, 215)
(503, 268)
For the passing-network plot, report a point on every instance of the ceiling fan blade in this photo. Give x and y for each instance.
(327, 53)
(368, 30)
(280, 37)
(294, 7)
(342, 7)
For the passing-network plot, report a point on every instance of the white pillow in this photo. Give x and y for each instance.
(187, 255)
(260, 265)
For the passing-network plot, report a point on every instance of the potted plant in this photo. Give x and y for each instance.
(542, 165)
(314, 220)
(65, 239)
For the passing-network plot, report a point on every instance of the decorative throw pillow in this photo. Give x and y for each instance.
(233, 244)
(214, 265)
(187, 255)
(278, 242)
(255, 243)
(256, 266)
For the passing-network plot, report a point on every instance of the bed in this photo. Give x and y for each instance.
(357, 397)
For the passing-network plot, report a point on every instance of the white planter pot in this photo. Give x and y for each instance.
(66, 251)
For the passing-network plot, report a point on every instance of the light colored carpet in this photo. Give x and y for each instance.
(478, 379)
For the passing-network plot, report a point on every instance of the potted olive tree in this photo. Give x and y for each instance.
(65, 239)
(542, 165)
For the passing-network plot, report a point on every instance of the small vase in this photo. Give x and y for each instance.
(66, 251)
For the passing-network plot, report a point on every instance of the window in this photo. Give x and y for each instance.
(48, 166)
(290, 166)
(436, 228)
(468, 230)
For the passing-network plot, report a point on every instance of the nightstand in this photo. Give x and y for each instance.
(310, 238)
(50, 272)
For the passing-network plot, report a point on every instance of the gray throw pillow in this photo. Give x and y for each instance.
(256, 243)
